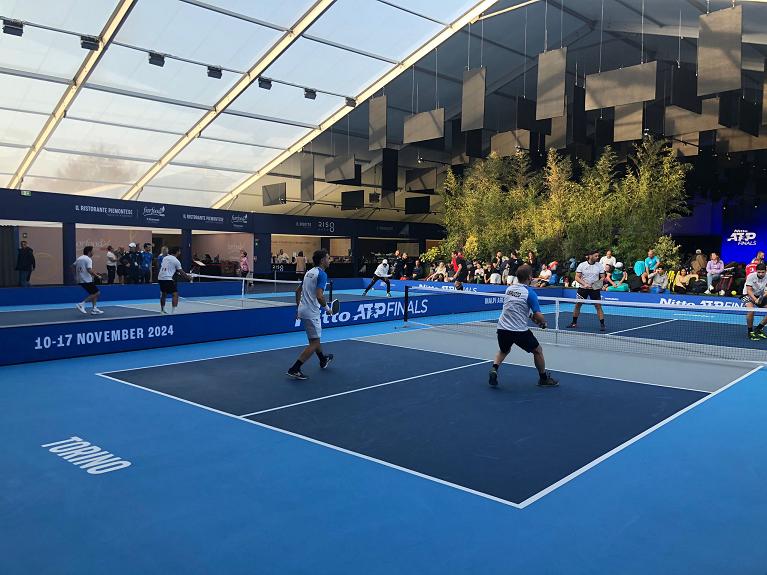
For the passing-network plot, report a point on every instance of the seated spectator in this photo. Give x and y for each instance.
(651, 263)
(698, 263)
(439, 271)
(417, 271)
(617, 278)
(751, 268)
(714, 271)
(543, 277)
(495, 278)
(682, 280)
(608, 258)
(658, 280)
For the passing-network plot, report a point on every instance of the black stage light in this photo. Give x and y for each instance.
(13, 27)
(265, 83)
(310, 94)
(156, 59)
(214, 72)
(89, 43)
(351, 102)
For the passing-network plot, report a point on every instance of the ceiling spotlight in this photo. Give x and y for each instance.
(214, 72)
(265, 83)
(310, 94)
(419, 159)
(89, 43)
(156, 59)
(13, 27)
(351, 102)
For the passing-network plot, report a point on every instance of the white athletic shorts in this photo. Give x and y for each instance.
(313, 327)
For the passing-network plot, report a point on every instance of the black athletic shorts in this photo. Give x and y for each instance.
(760, 302)
(586, 293)
(524, 339)
(90, 287)
(167, 286)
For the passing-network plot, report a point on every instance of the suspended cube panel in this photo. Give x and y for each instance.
(307, 177)
(552, 72)
(425, 126)
(681, 121)
(473, 102)
(720, 51)
(377, 123)
(625, 86)
(274, 194)
(628, 122)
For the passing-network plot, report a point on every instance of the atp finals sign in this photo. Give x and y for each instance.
(742, 243)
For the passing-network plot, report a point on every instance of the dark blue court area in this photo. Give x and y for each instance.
(429, 413)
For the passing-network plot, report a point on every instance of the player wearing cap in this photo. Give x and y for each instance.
(85, 276)
(590, 276)
(310, 299)
(381, 274)
(520, 302)
(754, 296)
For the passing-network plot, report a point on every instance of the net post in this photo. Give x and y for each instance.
(407, 299)
(556, 314)
(242, 292)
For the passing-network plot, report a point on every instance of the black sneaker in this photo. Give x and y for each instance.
(548, 381)
(754, 336)
(297, 374)
(572, 325)
(493, 381)
(328, 359)
(760, 334)
(602, 327)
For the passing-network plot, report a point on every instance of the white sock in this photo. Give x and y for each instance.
(173, 309)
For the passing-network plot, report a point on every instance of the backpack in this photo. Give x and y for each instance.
(671, 279)
(635, 283)
(698, 286)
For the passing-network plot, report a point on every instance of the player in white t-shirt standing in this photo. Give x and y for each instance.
(590, 275)
(755, 295)
(520, 303)
(85, 276)
(166, 277)
(310, 301)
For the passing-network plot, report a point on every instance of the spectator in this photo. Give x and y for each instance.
(111, 265)
(163, 253)
(532, 260)
(617, 278)
(25, 263)
(282, 258)
(681, 281)
(543, 277)
(439, 272)
(758, 259)
(698, 263)
(132, 264)
(399, 266)
(458, 285)
(658, 279)
(300, 264)
(608, 258)
(514, 264)
(244, 264)
(651, 262)
(714, 271)
(207, 259)
(495, 277)
(145, 276)
(417, 271)
(121, 269)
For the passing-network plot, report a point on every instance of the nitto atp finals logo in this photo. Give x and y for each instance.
(743, 237)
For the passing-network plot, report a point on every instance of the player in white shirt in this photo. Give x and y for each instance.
(310, 302)
(754, 295)
(520, 303)
(590, 275)
(381, 274)
(85, 276)
(166, 277)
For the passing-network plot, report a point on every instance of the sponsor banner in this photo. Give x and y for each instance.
(663, 298)
(740, 243)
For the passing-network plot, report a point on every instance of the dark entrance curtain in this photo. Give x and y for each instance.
(8, 276)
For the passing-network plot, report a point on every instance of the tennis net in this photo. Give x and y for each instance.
(685, 331)
(235, 292)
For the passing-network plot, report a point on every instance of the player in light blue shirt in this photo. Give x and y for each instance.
(310, 299)
(520, 304)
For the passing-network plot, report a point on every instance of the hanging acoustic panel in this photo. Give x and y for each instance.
(628, 122)
(474, 143)
(603, 132)
(731, 140)
(352, 200)
(578, 120)
(377, 108)
(389, 169)
(683, 87)
(507, 143)
(274, 194)
(558, 137)
(736, 112)
(421, 180)
(343, 170)
(681, 121)
(307, 177)
(424, 126)
(652, 121)
(552, 74)
(720, 51)
(625, 86)
(473, 101)
(685, 145)
(418, 205)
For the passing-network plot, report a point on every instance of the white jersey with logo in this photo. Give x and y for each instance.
(519, 301)
(170, 265)
(758, 285)
(382, 270)
(82, 265)
(309, 307)
(591, 273)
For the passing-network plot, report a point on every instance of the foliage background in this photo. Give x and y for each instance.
(501, 204)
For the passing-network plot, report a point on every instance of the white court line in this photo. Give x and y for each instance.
(323, 444)
(525, 365)
(631, 441)
(364, 388)
(640, 327)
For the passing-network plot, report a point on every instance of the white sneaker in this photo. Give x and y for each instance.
(388, 295)
(173, 310)
(96, 311)
(707, 292)
(162, 310)
(81, 307)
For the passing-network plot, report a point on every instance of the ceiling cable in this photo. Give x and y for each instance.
(601, 34)
(641, 56)
(546, 26)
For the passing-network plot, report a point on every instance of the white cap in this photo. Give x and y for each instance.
(385, 262)
(131, 245)
(619, 265)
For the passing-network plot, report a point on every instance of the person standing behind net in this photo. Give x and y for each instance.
(590, 275)
(166, 277)
(381, 274)
(754, 296)
(519, 302)
(310, 299)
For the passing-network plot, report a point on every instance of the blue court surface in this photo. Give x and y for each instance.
(399, 458)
